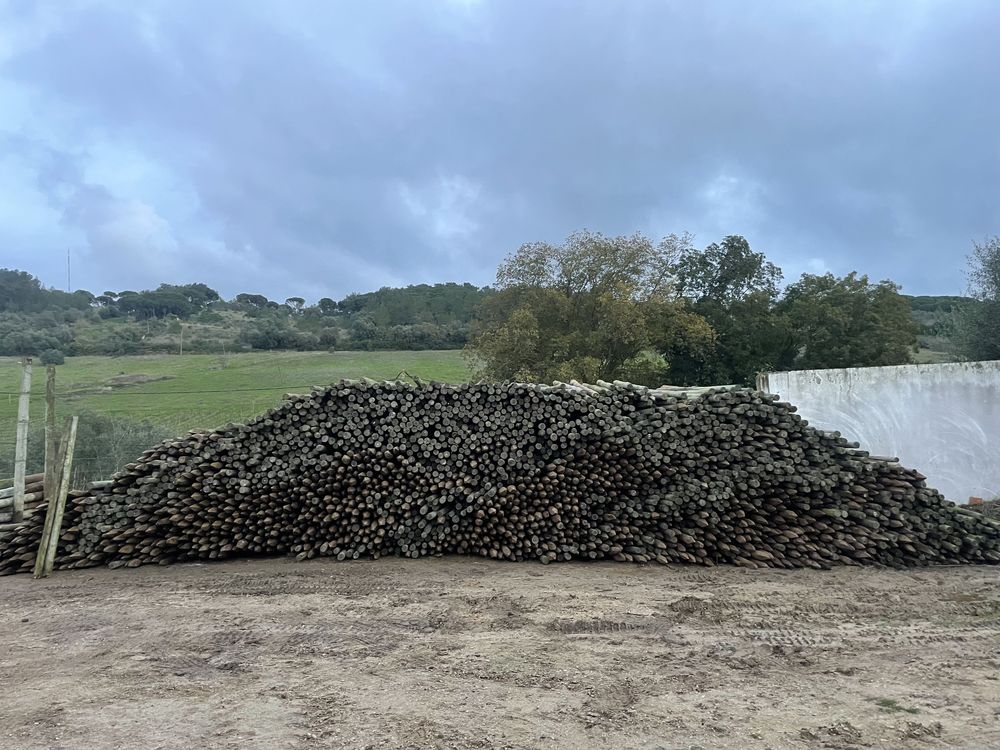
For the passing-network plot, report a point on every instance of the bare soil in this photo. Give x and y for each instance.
(467, 653)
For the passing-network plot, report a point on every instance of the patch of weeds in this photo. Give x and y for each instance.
(891, 706)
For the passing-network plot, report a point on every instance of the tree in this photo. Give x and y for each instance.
(52, 357)
(726, 273)
(120, 341)
(295, 303)
(364, 331)
(270, 334)
(198, 295)
(420, 303)
(978, 323)
(327, 306)
(20, 291)
(166, 300)
(847, 322)
(252, 300)
(735, 289)
(19, 338)
(684, 340)
(587, 309)
(81, 298)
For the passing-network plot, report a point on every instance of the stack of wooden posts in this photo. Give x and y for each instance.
(516, 471)
(34, 496)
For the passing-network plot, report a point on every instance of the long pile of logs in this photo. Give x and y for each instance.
(517, 472)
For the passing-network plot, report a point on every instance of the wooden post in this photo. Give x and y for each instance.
(51, 435)
(49, 542)
(21, 444)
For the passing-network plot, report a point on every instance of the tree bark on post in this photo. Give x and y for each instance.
(21, 443)
(45, 559)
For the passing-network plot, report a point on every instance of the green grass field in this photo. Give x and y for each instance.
(205, 390)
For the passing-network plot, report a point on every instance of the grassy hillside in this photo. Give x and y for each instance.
(205, 390)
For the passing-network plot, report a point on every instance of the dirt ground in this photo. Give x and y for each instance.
(466, 653)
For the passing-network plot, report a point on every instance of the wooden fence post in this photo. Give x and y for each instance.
(51, 435)
(21, 444)
(49, 542)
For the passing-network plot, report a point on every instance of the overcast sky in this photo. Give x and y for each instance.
(319, 148)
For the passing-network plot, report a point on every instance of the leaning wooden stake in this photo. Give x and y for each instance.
(51, 435)
(53, 518)
(21, 444)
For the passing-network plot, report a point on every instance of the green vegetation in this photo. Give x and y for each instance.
(590, 308)
(52, 357)
(719, 316)
(172, 394)
(734, 289)
(192, 318)
(937, 319)
(847, 322)
(978, 323)
(964, 327)
(624, 307)
(593, 307)
(104, 443)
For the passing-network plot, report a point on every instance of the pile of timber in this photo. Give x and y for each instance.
(989, 508)
(516, 471)
(34, 496)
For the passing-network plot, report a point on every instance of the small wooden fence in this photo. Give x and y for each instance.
(30, 494)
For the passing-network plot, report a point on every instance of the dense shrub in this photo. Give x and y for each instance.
(120, 341)
(24, 335)
(52, 357)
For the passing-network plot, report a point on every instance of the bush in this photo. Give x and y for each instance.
(210, 317)
(201, 345)
(23, 335)
(120, 341)
(52, 357)
(647, 368)
(277, 334)
(330, 337)
(104, 444)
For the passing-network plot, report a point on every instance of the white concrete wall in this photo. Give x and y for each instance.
(943, 420)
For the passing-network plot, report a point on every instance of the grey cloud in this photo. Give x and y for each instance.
(339, 147)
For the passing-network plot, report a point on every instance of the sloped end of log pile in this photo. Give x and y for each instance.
(517, 472)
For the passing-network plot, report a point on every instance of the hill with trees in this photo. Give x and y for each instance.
(591, 307)
(194, 318)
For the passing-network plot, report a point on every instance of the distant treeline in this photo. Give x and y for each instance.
(195, 318)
